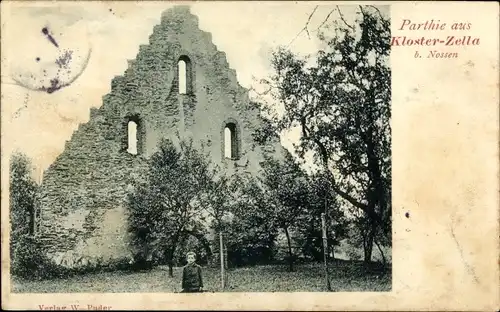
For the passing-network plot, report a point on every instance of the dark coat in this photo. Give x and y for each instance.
(191, 277)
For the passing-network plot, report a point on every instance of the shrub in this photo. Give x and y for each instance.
(29, 262)
(27, 259)
(140, 263)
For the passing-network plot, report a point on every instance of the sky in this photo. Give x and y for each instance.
(103, 36)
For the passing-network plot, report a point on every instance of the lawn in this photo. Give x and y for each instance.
(344, 276)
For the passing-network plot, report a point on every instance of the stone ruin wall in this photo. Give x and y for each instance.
(83, 215)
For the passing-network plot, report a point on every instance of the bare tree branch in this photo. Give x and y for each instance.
(305, 27)
(379, 13)
(265, 92)
(309, 20)
(343, 19)
(326, 19)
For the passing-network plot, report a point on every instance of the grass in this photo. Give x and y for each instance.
(344, 276)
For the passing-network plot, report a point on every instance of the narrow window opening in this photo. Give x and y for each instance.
(182, 69)
(227, 143)
(132, 138)
(230, 141)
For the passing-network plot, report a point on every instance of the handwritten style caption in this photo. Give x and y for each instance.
(442, 46)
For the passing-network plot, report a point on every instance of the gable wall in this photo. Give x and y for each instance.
(83, 194)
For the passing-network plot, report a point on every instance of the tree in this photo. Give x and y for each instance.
(285, 191)
(250, 234)
(321, 199)
(341, 104)
(22, 198)
(22, 215)
(170, 203)
(277, 198)
(218, 200)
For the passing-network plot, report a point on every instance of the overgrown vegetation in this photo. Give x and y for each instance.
(172, 203)
(24, 253)
(28, 259)
(340, 99)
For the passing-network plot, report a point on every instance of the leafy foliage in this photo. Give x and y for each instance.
(22, 197)
(341, 104)
(23, 249)
(250, 236)
(285, 191)
(284, 198)
(172, 202)
(29, 262)
(28, 259)
(321, 200)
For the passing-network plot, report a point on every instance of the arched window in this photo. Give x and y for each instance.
(227, 143)
(132, 137)
(184, 75)
(231, 141)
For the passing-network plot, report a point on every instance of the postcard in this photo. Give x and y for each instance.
(248, 155)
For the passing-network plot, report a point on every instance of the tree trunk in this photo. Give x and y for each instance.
(368, 250)
(171, 262)
(290, 258)
(171, 256)
(381, 252)
(368, 244)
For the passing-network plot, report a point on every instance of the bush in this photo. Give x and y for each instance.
(140, 263)
(29, 262)
(240, 256)
(25, 258)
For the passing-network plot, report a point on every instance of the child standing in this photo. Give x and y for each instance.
(191, 275)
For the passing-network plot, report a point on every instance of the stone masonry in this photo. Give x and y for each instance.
(82, 203)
